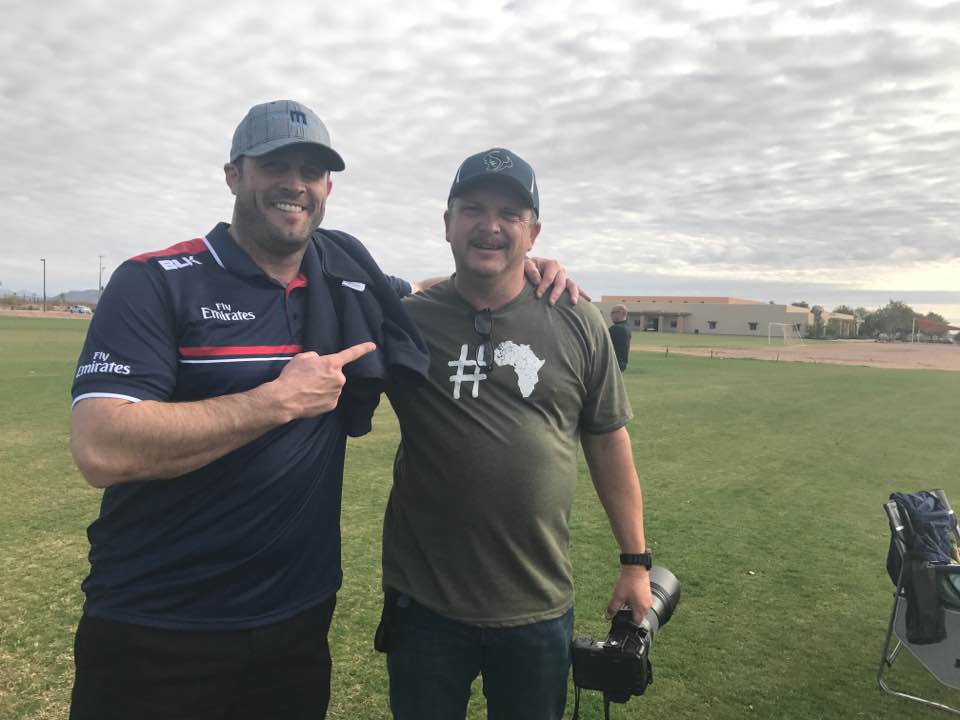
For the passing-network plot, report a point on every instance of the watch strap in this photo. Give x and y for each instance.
(645, 559)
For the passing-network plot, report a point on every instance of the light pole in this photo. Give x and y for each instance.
(100, 278)
(44, 261)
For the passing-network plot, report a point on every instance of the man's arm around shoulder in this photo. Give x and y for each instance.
(610, 459)
(115, 441)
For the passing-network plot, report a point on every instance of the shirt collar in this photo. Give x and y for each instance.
(235, 260)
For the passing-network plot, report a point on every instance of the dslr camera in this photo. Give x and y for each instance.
(619, 666)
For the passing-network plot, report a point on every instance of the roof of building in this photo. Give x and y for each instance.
(698, 299)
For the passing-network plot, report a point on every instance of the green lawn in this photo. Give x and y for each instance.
(763, 483)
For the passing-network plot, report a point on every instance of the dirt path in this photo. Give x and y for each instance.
(5, 312)
(911, 356)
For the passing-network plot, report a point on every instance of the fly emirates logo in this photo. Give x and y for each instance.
(102, 364)
(223, 311)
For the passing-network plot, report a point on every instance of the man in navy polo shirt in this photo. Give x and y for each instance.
(215, 560)
(210, 410)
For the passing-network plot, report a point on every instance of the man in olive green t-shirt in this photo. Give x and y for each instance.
(476, 545)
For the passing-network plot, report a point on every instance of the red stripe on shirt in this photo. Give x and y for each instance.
(188, 247)
(240, 350)
(299, 281)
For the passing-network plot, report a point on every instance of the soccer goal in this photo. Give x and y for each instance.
(788, 331)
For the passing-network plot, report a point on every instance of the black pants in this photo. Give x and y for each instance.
(130, 672)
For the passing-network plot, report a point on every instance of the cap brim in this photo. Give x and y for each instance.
(331, 158)
(494, 180)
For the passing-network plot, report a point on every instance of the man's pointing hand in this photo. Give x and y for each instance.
(310, 384)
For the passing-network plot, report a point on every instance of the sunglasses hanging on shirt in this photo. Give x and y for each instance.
(483, 324)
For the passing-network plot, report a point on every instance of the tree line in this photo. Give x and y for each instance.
(894, 320)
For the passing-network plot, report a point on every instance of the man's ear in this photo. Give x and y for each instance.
(534, 231)
(446, 224)
(231, 173)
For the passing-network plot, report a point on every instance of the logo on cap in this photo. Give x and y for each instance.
(272, 125)
(497, 160)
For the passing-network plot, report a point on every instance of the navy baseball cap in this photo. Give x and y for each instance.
(273, 125)
(498, 165)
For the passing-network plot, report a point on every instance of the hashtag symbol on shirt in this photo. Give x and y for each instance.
(475, 377)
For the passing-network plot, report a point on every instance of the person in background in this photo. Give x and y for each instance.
(620, 335)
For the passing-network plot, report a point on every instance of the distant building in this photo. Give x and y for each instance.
(718, 315)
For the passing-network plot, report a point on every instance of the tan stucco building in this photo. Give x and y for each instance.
(716, 315)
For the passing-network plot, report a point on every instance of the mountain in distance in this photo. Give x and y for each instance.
(72, 297)
(81, 296)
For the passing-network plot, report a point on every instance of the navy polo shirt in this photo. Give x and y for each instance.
(253, 537)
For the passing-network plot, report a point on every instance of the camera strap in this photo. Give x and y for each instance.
(576, 704)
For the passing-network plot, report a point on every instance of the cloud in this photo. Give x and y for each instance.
(733, 139)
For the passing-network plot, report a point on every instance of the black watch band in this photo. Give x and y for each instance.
(645, 559)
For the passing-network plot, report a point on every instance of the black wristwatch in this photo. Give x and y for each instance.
(645, 558)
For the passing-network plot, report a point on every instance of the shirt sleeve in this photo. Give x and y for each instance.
(130, 351)
(400, 286)
(607, 406)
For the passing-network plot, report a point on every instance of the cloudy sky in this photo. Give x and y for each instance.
(771, 150)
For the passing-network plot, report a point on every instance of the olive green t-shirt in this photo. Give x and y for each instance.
(476, 526)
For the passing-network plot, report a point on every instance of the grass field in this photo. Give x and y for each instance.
(763, 483)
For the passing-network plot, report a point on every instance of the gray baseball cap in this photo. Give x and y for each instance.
(501, 166)
(276, 124)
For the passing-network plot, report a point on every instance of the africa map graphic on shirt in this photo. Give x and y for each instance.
(524, 363)
(520, 357)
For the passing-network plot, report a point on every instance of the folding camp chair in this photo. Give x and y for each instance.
(939, 653)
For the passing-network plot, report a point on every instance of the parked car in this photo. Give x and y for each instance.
(81, 310)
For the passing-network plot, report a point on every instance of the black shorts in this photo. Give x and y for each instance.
(131, 672)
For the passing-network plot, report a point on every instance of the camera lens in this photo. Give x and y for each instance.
(665, 589)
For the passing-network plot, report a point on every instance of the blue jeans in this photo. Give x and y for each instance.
(434, 660)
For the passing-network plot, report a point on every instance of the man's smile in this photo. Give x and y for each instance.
(489, 244)
(288, 207)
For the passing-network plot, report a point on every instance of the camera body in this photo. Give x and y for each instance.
(619, 666)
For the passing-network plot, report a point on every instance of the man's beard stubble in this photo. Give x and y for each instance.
(257, 229)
